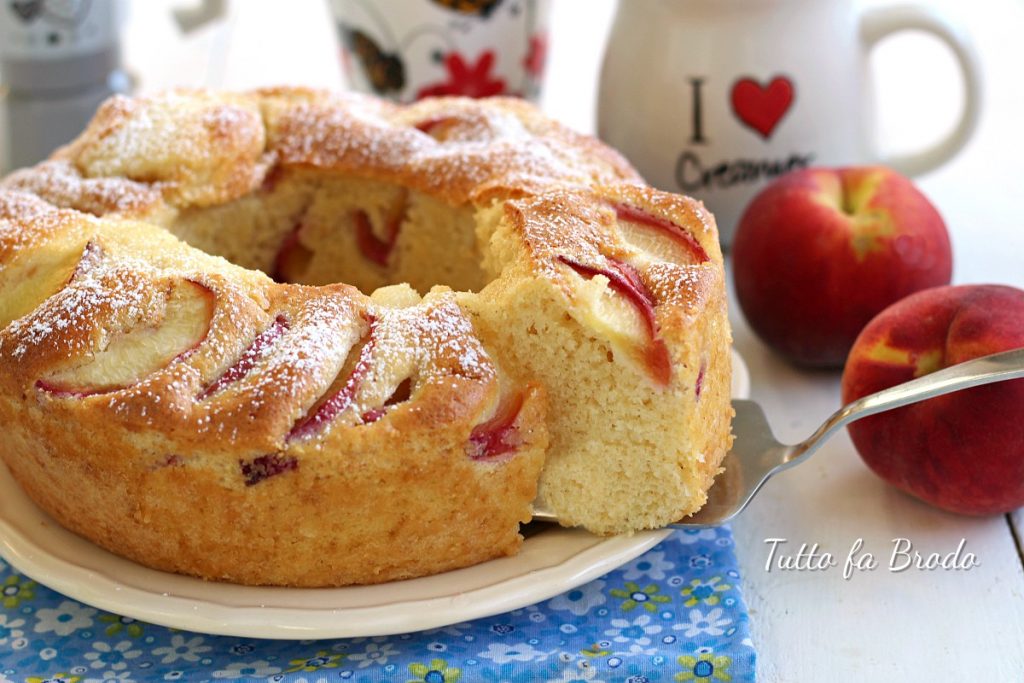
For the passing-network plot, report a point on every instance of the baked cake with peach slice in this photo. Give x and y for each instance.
(187, 382)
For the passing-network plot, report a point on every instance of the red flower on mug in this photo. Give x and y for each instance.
(471, 80)
(537, 55)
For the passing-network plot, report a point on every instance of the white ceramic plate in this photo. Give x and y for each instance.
(552, 561)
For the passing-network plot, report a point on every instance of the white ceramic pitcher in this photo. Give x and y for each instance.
(714, 98)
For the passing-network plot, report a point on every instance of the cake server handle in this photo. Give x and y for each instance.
(757, 455)
(997, 367)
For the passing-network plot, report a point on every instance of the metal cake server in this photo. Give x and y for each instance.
(756, 455)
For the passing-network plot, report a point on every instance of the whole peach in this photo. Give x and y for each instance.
(820, 252)
(964, 451)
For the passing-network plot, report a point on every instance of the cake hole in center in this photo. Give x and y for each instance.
(315, 228)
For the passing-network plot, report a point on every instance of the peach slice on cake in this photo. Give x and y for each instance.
(621, 306)
(378, 246)
(657, 235)
(295, 255)
(30, 282)
(375, 248)
(432, 126)
(335, 403)
(498, 435)
(245, 363)
(401, 394)
(129, 358)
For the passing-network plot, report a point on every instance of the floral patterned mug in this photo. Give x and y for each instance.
(408, 49)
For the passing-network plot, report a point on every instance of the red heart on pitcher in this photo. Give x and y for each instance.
(760, 107)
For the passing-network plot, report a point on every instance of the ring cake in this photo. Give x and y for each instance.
(185, 380)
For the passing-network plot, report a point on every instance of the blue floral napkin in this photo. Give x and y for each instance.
(673, 614)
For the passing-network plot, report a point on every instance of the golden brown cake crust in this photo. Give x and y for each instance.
(197, 148)
(199, 417)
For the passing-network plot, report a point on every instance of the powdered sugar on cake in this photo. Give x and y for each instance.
(226, 419)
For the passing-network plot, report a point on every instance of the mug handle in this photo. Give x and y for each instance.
(878, 23)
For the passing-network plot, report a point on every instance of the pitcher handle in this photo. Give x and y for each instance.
(884, 21)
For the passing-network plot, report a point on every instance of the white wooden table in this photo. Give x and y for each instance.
(807, 626)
